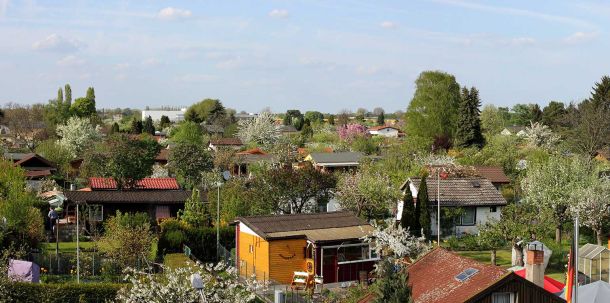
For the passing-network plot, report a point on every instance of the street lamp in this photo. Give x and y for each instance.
(226, 175)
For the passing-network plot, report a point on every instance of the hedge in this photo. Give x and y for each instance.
(201, 240)
(62, 293)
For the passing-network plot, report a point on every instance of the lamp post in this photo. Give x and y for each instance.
(438, 207)
(77, 248)
(218, 184)
(575, 295)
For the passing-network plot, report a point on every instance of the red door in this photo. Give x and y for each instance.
(330, 266)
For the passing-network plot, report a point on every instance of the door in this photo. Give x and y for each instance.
(329, 269)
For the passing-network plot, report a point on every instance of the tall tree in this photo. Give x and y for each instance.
(600, 96)
(343, 117)
(148, 127)
(83, 107)
(68, 95)
(554, 115)
(331, 119)
(392, 284)
(408, 220)
(536, 113)
(423, 201)
(293, 117)
(60, 97)
(381, 118)
(115, 128)
(77, 135)
(365, 192)
(164, 122)
(189, 160)
(492, 120)
(468, 122)
(433, 110)
(136, 126)
(210, 111)
(260, 130)
(306, 130)
(91, 94)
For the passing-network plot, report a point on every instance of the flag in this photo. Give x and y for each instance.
(570, 277)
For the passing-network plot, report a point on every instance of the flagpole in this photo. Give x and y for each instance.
(575, 295)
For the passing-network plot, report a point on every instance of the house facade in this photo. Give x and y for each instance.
(385, 131)
(232, 143)
(327, 245)
(331, 162)
(477, 197)
(173, 115)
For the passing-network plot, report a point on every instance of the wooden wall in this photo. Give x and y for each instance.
(256, 261)
(286, 257)
(525, 292)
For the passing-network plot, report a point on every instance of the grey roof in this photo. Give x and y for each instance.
(15, 156)
(335, 158)
(596, 292)
(462, 191)
(591, 251)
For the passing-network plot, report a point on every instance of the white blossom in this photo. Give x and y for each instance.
(540, 136)
(396, 241)
(260, 130)
(76, 135)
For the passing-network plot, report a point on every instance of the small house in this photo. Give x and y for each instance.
(220, 143)
(594, 263)
(36, 167)
(385, 131)
(477, 198)
(330, 162)
(495, 174)
(327, 245)
(245, 158)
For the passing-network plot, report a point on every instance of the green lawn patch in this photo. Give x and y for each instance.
(175, 260)
(67, 247)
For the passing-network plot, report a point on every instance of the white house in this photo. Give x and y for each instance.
(384, 130)
(173, 115)
(477, 197)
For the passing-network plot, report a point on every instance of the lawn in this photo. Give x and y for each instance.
(176, 260)
(503, 259)
(66, 247)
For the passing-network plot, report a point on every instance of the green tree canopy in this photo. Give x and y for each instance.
(433, 109)
(189, 160)
(83, 107)
(148, 126)
(392, 285)
(187, 132)
(554, 114)
(314, 116)
(210, 111)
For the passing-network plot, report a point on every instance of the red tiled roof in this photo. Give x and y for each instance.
(146, 183)
(252, 151)
(226, 141)
(495, 174)
(551, 285)
(163, 155)
(433, 277)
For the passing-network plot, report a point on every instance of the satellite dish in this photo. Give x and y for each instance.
(226, 175)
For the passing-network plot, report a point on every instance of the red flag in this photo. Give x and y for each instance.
(570, 277)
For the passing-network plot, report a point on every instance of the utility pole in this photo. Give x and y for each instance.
(438, 207)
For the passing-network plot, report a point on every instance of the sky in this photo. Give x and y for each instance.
(308, 55)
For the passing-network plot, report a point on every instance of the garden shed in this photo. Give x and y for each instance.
(594, 263)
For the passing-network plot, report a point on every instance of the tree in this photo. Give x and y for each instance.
(76, 135)
(492, 121)
(378, 111)
(392, 284)
(433, 110)
(540, 136)
(22, 224)
(600, 96)
(424, 216)
(292, 191)
(365, 192)
(468, 122)
(314, 116)
(148, 127)
(351, 131)
(259, 130)
(331, 119)
(187, 132)
(343, 117)
(592, 206)
(128, 238)
(57, 154)
(549, 185)
(554, 115)
(381, 119)
(188, 160)
(210, 111)
(164, 122)
(91, 94)
(195, 211)
(306, 130)
(536, 113)
(293, 117)
(60, 97)
(122, 158)
(136, 126)
(26, 124)
(115, 128)
(83, 107)
(408, 220)
(68, 97)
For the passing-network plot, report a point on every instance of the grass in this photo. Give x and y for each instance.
(503, 259)
(176, 260)
(66, 247)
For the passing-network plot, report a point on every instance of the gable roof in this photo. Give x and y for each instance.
(226, 141)
(97, 183)
(20, 159)
(380, 127)
(327, 159)
(471, 191)
(433, 277)
(131, 196)
(163, 155)
(495, 174)
(317, 227)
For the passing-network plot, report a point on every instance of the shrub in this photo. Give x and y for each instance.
(56, 293)
(201, 240)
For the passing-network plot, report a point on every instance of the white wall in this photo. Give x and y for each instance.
(483, 215)
(173, 115)
(386, 132)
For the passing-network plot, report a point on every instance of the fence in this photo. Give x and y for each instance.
(225, 255)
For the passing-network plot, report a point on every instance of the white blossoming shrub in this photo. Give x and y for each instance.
(395, 241)
(540, 135)
(76, 135)
(260, 130)
(220, 285)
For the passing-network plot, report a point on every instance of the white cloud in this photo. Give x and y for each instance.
(70, 61)
(520, 41)
(279, 13)
(3, 7)
(580, 37)
(57, 43)
(388, 24)
(172, 13)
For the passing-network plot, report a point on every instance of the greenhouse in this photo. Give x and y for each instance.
(594, 263)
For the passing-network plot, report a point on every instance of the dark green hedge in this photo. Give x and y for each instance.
(201, 240)
(62, 293)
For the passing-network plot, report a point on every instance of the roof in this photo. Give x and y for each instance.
(551, 285)
(145, 184)
(471, 191)
(380, 127)
(495, 174)
(317, 227)
(342, 158)
(591, 251)
(433, 277)
(131, 196)
(226, 141)
(37, 173)
(163, 155)
(252, 151)
(596, 292)
(20, 159)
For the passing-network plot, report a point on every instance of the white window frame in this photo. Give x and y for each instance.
(510, 294)
(96, 219)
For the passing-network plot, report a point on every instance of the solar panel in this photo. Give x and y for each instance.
(466, 274)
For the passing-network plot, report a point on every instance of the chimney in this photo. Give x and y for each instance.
(534, 264)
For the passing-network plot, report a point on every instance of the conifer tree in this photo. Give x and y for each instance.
(164, 122)
(331, 119)
(423, 203)
(60, 98)
(67, 101)
(600, 96)
(469, 122)
(136, 126)
(381, 119)
(115, 128)
(408, 218)
(148, 127)
(392, 284)
(91, 94)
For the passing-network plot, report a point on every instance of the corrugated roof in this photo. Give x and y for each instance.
(145, 184)
(298, 224)
(135, 196)
(495, 174)
(462, 191)
(591, 251)
(432, 277)
(339, 157)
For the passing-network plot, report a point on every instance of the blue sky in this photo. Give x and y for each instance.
(310, 55)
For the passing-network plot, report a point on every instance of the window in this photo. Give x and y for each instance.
(469, 216)
(493, 209)
(353, 253)
(502, 297)
(96, 212)
(250, 248)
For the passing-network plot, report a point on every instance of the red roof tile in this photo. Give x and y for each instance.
(495, 174)
(433, 277)
(252, 151)
(146, 183)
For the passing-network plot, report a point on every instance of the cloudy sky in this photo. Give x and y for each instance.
(324, 55)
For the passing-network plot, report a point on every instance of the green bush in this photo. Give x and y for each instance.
(466, 242)
(62, 293)
(201, 240)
